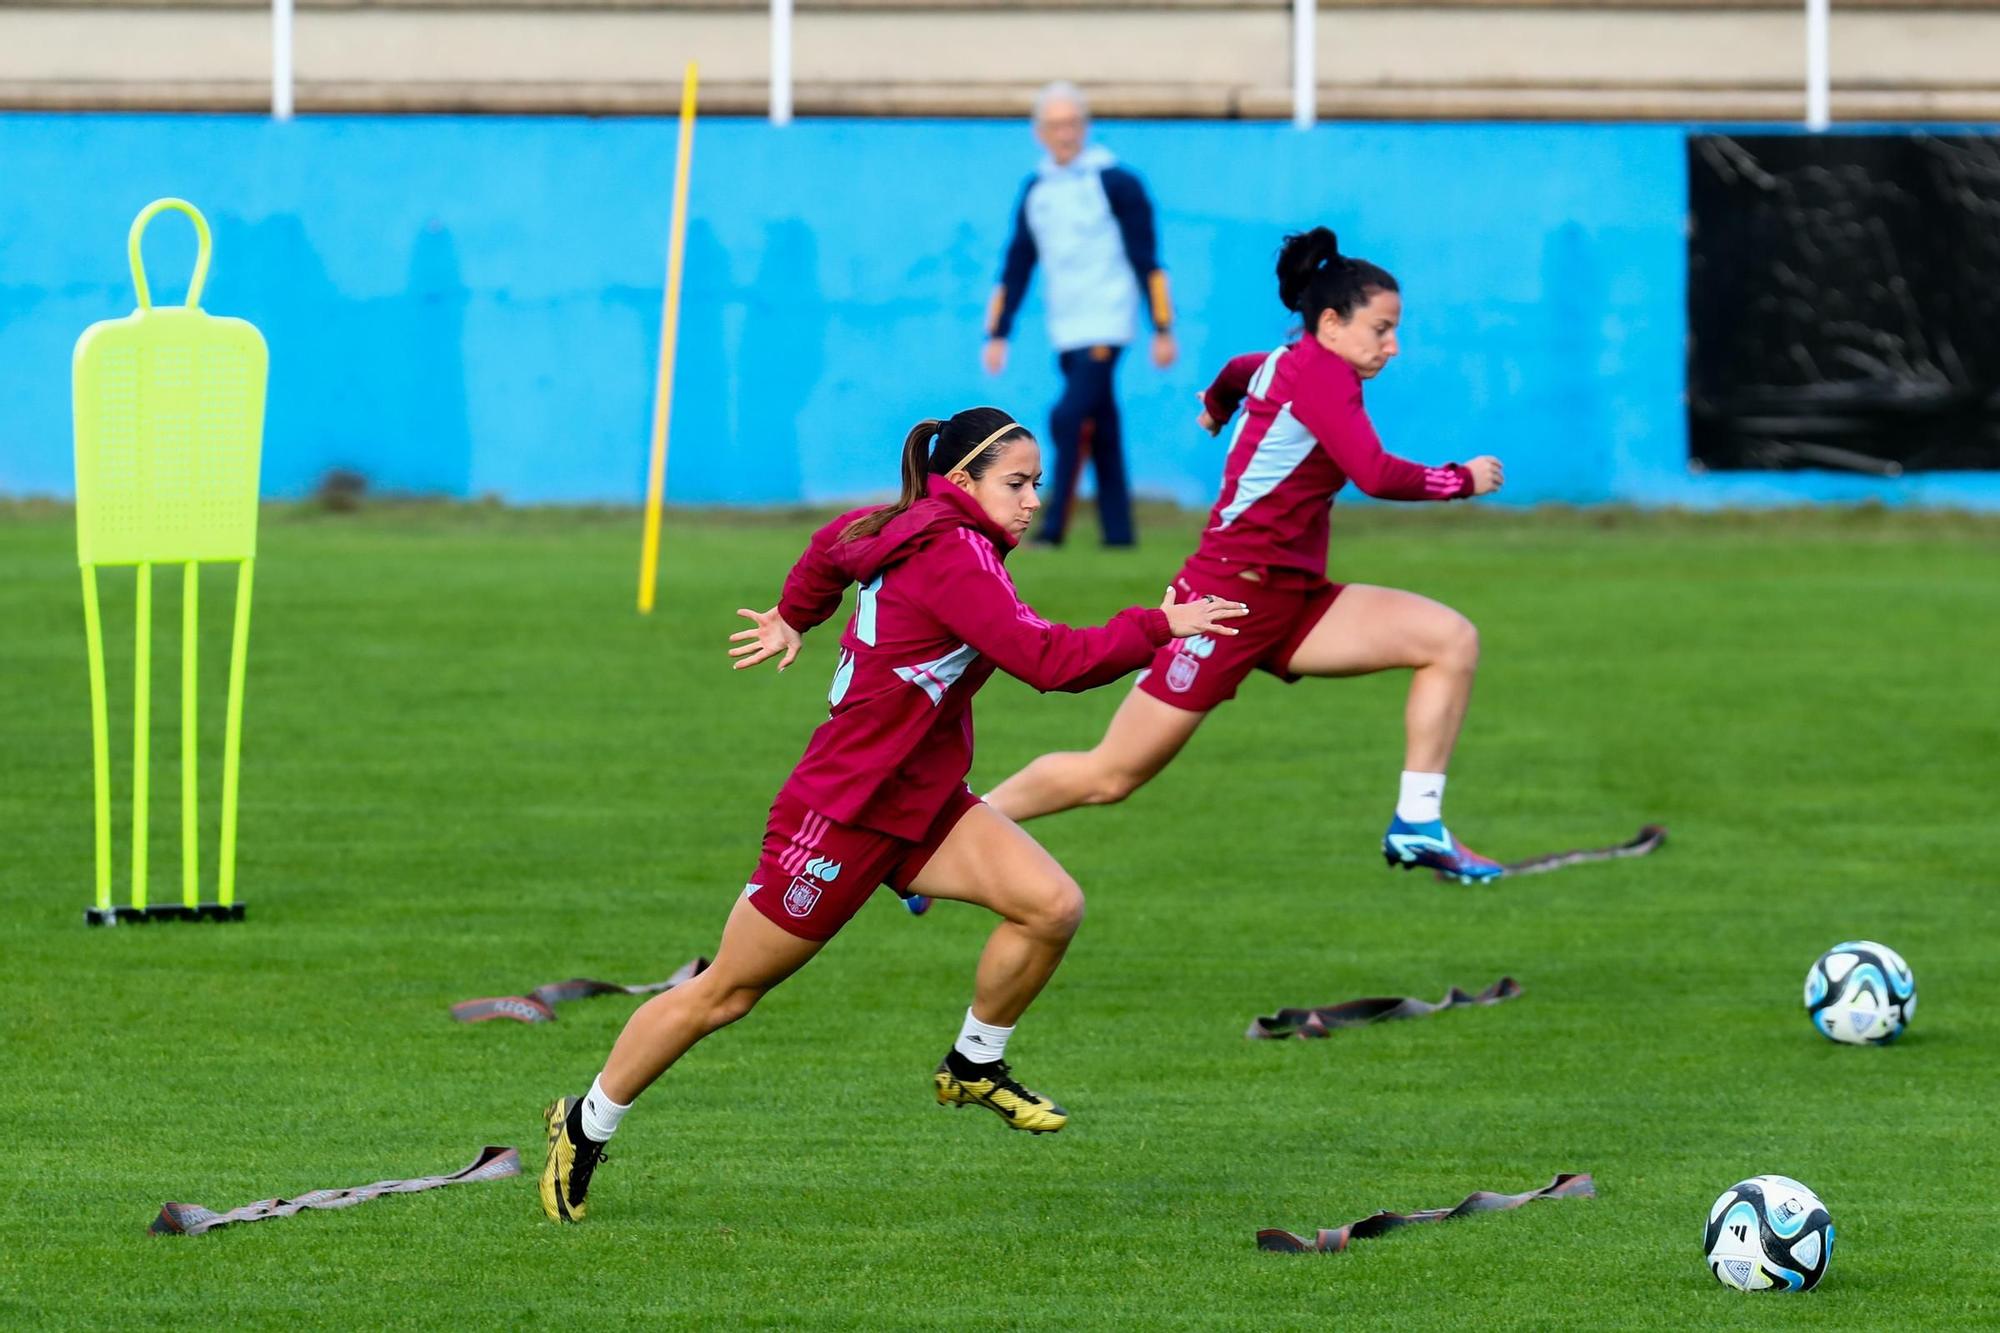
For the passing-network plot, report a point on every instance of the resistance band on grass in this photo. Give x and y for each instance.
(1566, 1186)
(191, 1219)
(1648, 839)
(538, 1005)
(1322, 1021)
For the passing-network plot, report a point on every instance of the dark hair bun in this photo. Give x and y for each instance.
(1301, 257)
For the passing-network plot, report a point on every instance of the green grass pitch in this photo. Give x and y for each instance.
(469, 767)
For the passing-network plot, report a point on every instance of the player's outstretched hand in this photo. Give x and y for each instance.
(993, 355)
(770, 637)
(1488, 475)
(1204, 615)
(1206, 420)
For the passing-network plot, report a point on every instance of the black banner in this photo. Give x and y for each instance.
(1844, 302)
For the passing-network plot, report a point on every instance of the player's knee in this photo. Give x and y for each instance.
(1111, 783)
(1057, 911)
(726, 1006)
(1460, 647)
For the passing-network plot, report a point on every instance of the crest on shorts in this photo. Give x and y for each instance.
(801, 897)
(1188, 655)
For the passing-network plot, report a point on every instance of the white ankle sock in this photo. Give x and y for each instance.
(981, 1042)
(1422, 799)
(600, 1114)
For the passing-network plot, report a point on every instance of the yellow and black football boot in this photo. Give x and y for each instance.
(573, 1156)
(961, 1082)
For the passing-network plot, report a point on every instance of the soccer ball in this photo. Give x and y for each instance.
(1861, 993)
(1769, 1233)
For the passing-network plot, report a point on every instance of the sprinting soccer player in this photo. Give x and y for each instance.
(1304, 435)
(880, 795)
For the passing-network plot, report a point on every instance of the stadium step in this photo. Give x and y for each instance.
(1549, 59)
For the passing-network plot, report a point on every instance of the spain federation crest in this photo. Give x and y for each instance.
(802, 897)
(1187, 662)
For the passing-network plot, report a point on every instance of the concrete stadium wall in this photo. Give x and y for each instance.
(470, 306)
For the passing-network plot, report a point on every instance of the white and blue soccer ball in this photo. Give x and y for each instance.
(1861, 993)
(1769, 1233)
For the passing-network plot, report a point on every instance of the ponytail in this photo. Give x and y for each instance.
(1313, 276)
(972, 440)
(916, 467)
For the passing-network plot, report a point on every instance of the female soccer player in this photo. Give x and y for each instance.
(1303, 436)
(880, 795)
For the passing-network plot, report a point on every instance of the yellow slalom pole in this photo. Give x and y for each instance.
(663, 392)
(100, 741)
(142, 728)
(190, 674)
(232, 742)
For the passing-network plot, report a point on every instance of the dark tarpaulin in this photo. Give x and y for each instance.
(1844, 302)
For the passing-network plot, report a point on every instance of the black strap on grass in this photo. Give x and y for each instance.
(191, 1219)
(1322, 1021)
(538, 1005)
(1577, 1185)
(1646, 841)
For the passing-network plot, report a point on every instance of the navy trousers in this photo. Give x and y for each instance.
(1084, 425)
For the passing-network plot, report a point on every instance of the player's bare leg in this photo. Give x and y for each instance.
(1143, 738)
(754, 956)
(1370, 629)
(989, 860)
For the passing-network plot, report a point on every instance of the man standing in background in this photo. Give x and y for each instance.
(1088, 221)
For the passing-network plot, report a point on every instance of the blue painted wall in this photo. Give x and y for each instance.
(471, 306)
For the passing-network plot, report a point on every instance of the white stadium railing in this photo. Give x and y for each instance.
(1305, 63)
(1305, 55)
(1818, 111)
(281, 59)
(781, 62)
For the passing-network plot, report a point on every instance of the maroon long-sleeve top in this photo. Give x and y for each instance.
(937, 614)
(1303, 436)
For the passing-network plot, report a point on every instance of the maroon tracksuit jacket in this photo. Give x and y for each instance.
(936, 616)
(1303, 436)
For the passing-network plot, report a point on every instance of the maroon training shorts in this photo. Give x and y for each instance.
(1201, 672)
(814, 874)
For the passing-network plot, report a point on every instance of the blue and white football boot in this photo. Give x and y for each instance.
(1430, 844)
(917, 903)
